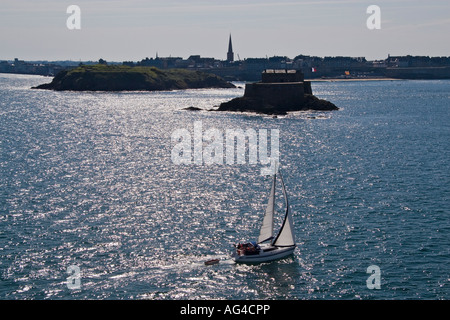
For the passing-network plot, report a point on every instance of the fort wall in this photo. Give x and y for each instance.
(275, 76)
(283, 88)
(283, 94)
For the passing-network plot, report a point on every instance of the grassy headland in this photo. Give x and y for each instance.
(124, 78)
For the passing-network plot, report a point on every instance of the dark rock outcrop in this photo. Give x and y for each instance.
(245, 104)
(192, 108)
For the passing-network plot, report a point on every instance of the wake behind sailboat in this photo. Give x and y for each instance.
(268, 247)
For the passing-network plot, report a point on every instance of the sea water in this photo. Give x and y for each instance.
(93, 207)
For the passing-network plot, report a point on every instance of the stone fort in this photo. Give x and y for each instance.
(284, 88)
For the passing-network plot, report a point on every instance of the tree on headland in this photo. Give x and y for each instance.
(101, 61)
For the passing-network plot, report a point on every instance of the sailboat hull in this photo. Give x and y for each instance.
(269, 254)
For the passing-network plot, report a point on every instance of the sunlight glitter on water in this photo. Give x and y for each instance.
(87, 180)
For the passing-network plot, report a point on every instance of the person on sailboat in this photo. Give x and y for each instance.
(247, 248)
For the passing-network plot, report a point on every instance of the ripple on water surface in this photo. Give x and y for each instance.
(87, 180)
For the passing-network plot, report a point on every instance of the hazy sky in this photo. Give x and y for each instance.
(134, 29)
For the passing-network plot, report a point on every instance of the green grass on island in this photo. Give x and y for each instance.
(125, 78)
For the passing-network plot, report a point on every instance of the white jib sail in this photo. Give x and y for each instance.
(266, 232)
(286, 235)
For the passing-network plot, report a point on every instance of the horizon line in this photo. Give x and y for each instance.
(265, 57)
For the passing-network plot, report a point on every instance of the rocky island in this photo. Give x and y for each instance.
(278, 92)
(125, 78)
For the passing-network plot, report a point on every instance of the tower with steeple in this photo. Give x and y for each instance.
(230, 54)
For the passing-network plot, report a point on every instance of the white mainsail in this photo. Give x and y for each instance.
(271, 249)
(285, 237)
(266, 232)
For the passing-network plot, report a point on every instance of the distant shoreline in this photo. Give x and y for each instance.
(353, 79)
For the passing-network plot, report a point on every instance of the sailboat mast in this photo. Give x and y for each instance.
(286, 201)
(285, 236)
(266, 231)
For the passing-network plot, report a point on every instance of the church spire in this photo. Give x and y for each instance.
(230, 54)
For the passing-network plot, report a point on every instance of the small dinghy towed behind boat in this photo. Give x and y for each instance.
(211, 262)
(268, 247)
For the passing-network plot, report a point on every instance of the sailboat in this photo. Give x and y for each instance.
(268, 247)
